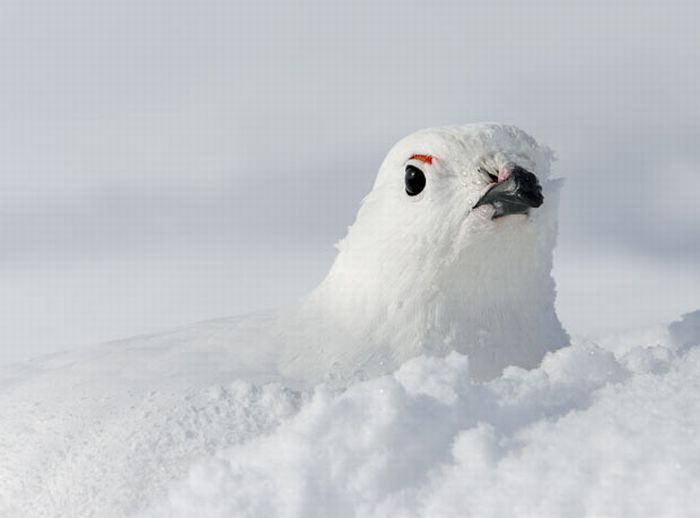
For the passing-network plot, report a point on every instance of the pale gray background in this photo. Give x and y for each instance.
(169, 161)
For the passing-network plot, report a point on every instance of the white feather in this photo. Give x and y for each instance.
(104, 430)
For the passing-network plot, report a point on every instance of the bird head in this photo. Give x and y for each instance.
(440, 190)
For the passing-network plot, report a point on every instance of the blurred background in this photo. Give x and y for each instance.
(168, 161)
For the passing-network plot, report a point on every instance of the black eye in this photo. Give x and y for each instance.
(415, 180)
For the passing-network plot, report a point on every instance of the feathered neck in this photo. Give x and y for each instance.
(490, 296)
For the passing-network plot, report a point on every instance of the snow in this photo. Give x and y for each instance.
(602, 428)
(588, 433)
(399, 387)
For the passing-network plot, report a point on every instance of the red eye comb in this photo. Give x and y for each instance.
(426, 159)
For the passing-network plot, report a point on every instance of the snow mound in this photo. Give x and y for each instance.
(686, 332)
(591, 432)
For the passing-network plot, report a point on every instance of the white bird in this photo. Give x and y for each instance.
(423, 271)
(451, 250)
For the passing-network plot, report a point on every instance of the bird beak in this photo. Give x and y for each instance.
(515, 194)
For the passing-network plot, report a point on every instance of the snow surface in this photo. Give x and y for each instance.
(607, 428)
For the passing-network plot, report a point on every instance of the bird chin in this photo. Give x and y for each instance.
(484, 212)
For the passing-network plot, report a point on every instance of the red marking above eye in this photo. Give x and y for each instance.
(426, 159)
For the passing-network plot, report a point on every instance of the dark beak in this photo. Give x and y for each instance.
(514, 195)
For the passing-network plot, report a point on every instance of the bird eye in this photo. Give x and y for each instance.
(415, 180)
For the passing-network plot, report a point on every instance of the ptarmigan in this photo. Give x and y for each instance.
(451, 250)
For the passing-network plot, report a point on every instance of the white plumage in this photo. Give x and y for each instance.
(427, 274)
(423, 274)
